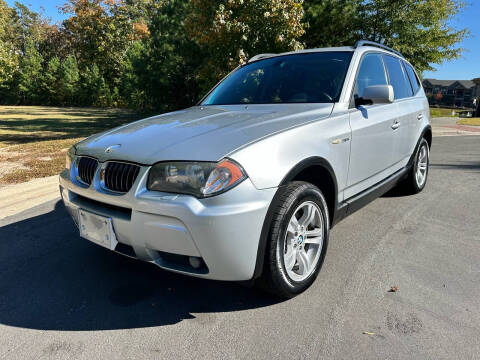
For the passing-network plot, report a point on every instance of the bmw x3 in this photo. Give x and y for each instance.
(246, 185)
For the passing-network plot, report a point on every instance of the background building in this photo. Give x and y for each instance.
(451, 93)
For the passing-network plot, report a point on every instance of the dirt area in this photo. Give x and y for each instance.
(34, 139)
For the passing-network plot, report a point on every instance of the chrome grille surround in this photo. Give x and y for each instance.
(86, 167)
(119, 176)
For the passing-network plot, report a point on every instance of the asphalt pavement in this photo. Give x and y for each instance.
(63, 297)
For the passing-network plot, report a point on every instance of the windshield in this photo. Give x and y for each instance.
(299, 78)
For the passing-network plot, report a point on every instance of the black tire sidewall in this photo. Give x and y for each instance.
(302, 192)
(423, 143)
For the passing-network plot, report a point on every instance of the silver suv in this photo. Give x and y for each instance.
(246, 185)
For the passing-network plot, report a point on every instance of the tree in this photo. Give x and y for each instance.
(103, 30)
(52, 82)
(163, 55)
(232, 31)
(420, 29)
(69, 81)
(172, 59)
(89, 85)
(133, 81)
(331, 22)
(30, 74)
(9, 57)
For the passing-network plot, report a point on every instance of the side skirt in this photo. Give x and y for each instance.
(349, 206)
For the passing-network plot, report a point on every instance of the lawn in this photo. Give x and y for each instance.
(35, 139)
(441, 112)
(469, 121)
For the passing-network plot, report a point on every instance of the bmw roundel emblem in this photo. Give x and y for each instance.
(112, 148)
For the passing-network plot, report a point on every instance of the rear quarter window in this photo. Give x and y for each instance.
(412, 77)
(397, 77)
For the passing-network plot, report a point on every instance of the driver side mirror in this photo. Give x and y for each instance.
(376, 94)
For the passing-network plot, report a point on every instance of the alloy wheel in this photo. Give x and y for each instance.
(422, 166)
(303, 241)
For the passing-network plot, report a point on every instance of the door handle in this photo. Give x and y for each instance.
(395, 125)
(419, 116)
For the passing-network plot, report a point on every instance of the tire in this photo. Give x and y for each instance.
(301, 241)
(414, 183)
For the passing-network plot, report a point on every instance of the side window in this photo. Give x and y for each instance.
(413, 78)
(397, 77)
(371, 72)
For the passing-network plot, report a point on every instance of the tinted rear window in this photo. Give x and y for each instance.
(300, 78)
(397, 77)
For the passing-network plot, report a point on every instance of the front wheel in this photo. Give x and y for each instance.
(297, 240)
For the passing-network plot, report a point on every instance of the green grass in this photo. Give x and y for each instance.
(469, 121)
(442, 112)
(34, 139)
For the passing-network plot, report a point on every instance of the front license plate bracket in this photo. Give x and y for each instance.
(97, 229)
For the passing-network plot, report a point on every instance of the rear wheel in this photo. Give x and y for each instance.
(417, 178)
(297, 240)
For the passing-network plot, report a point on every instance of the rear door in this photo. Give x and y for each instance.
(372, 145)
(418, 103)
(405, 109)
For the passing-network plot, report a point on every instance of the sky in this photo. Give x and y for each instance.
(465, 68)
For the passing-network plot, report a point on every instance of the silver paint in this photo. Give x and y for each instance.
(363, 146)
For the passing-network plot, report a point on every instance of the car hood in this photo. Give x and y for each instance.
(202, 133)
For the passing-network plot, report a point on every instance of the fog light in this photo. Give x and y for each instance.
(195, 262)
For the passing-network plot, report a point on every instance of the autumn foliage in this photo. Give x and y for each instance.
(165, 54)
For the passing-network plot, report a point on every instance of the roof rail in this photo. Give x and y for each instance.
(260, 56)
(372, 43)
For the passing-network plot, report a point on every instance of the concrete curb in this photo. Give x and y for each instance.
(19, 197)
(447, 126)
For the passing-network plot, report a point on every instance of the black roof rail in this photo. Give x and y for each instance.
(372, 43)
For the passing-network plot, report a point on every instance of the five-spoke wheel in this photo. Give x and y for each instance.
(298, 239)
(303, 241)
(417, 177)
(422, 165)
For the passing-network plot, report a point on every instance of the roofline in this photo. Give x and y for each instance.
(375, 44)
(357, 45)
(303, 51)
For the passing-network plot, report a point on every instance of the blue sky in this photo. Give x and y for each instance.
(50, 7)
(467, 67)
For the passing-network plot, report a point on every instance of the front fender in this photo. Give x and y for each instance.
(269, 161)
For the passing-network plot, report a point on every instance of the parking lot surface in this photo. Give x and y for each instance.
(63, 297)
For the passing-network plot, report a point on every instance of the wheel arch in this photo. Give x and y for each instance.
(427, 134)
(315, 170)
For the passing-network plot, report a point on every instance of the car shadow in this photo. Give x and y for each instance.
(465, 166)
(51, 279)
(473, 166)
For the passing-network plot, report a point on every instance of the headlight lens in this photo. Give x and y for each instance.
(201, 179)
(69, 158)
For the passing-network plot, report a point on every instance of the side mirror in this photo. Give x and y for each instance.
(376, 94)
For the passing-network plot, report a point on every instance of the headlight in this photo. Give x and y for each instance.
(69, 158)
(200, 179)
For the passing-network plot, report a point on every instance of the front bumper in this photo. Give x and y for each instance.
(167, 229)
